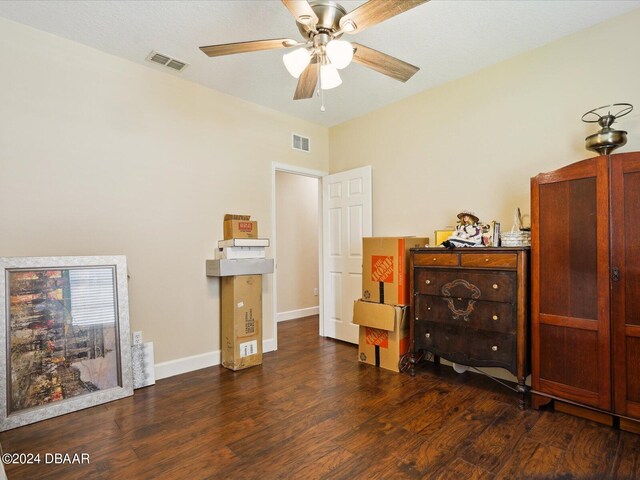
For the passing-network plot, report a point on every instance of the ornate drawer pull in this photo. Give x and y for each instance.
(428, 335)
(495, 317)
(495, 286)
(428, 282)
(494, 348)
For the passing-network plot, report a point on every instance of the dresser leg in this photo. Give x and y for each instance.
(522, 389)
(412, 363)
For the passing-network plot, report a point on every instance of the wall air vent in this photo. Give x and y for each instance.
(167, 61)
(298, 142)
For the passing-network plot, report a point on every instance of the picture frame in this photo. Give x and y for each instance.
(65, 340)
(442, 235)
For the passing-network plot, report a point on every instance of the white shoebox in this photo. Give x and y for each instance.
(237, 248)
(234, 253)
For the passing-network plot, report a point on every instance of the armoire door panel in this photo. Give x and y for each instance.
(569, 356)
(568, 249)
(570, 283)
(631, 234)
(633, 369)
(625, 285)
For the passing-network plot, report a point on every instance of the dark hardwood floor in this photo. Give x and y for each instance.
(312, 411)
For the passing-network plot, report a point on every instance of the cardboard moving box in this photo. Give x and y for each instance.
(241, 319)
(384, 333)
(385, 268)
(239, 226)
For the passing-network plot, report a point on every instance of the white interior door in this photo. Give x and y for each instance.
(346, 218)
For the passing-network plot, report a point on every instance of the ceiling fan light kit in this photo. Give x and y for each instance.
(340, 53)
(296, 61)
(322, 23)
(329, 77)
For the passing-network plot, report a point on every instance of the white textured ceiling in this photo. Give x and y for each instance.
(447, 39)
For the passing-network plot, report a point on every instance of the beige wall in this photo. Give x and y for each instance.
(475, 143)
(99, 155)
(296, 241)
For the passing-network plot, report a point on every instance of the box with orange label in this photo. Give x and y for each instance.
(384, 333)
(385, 268)
(239, 226)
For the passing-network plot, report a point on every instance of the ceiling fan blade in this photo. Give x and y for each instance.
(302, 11)
(254, 46)
(383, 63)
(308, 81)
(374, 12)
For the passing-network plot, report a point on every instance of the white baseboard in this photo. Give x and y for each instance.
(293, 314)
(187, 364)
(196, 362)
(268, 345)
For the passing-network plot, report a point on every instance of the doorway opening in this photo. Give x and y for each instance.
(296, 244)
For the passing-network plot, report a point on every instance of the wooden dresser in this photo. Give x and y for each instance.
(470, 307)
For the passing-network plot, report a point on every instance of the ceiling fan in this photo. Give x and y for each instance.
(321, 24)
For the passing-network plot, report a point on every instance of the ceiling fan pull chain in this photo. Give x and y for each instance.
(320, 90)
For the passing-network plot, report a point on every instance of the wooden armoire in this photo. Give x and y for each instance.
(585, 284)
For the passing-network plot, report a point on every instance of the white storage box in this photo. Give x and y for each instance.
(233, 253)
(244, 242)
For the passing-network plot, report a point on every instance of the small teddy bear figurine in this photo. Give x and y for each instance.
(468, 233)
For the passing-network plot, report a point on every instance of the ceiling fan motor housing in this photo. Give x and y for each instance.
(329, 15)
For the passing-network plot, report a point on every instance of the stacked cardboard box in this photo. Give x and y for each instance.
(241, 259)
(239, 226)
(382, 313)
(241, 325)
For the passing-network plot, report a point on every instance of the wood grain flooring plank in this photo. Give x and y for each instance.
(531, 459)
(461, 469)
(593, 452)
(455, 435)
(490, 450)
(556, 429)
(322, 464)
(627, 462)
(432, 419)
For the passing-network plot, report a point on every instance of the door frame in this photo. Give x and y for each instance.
(306, 172)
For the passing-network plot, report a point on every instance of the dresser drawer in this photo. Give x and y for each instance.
(496, 286)
(492, 260)
(467, 346)
(491, 316)
(444, 259)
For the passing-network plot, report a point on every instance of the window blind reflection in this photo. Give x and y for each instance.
(92, 296)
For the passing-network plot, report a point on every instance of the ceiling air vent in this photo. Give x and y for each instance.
(300, 143)
(167, 61)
